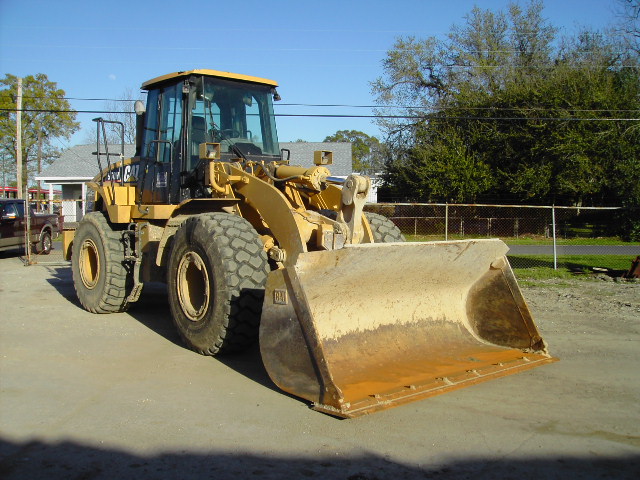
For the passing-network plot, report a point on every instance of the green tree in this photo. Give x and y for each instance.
(46, 115)
(533, 115)
(439, 167)
(367, 151)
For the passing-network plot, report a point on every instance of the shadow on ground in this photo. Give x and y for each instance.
(17, 252)
(152, 311)
(39, 460)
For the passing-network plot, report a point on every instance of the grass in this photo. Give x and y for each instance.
(568, 241)
(533, 240)
(573, 263)
(531, 268)
(536, 276)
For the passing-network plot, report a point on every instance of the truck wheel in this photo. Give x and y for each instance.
(383, 229)
(44, 246)
(216, 276)
(100, 277)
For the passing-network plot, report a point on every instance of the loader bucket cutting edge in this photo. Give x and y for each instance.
(372, 326)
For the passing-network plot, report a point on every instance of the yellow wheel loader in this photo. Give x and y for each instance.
(348, 315)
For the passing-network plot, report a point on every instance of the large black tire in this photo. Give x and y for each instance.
(216, 276)
(383, 229)
(100, 276)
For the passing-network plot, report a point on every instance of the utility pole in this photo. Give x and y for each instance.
(19, 139)
(4, 178)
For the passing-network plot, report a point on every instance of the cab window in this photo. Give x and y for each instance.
(163, 125)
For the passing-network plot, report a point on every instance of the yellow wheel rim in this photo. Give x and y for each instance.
(192, 284)
(89, 263)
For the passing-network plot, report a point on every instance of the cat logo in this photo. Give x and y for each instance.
(130, 174)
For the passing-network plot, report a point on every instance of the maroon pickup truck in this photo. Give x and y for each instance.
(44, 227)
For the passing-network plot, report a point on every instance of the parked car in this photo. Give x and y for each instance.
(44, 227)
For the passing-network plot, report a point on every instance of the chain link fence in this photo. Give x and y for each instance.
(578, 239)
(40, 250)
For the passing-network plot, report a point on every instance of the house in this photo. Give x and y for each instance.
(75, 166)
(78, 165)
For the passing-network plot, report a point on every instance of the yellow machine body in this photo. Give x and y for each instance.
(349, 322)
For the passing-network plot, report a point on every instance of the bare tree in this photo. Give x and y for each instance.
(119, 110)
(629, 25)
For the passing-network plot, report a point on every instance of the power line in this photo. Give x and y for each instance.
(80, 99)
(408, 107)
(437, 118)
(396, 117)
(339, 105)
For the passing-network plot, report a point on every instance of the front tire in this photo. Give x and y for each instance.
(100, 277)
(216, 276)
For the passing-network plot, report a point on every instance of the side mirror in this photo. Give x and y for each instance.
(139, 108)
(9, 217)
(322, 157)
(209, 151)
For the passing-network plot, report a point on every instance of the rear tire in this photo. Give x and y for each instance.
(383, 229)
(101, 280)
(216, 276)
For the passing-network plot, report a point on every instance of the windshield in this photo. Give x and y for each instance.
(233, 113)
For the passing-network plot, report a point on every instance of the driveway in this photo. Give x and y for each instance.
(86, 396)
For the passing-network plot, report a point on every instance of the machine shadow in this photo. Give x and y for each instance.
(39, 460)
(152, 310)
(61, 279)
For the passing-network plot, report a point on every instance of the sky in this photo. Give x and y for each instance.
(320, 52)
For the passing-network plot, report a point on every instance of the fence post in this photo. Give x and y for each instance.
(446, 221)
(27, 226)
(555, 246)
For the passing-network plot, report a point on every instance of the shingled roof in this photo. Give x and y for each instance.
(79, 164)
(302, 154)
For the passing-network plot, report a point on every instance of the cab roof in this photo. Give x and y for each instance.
(210, 73)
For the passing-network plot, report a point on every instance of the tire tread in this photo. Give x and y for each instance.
(114, 295)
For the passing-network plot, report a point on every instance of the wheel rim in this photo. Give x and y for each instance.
(89, 263)
(192, 284)
(46, 243)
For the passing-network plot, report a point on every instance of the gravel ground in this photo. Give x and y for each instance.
(87, 396)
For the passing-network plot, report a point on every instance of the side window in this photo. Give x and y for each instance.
(170, 122)
(20, 208)
(10, 209)
(254, 127)
(164, 123)
(151, 126)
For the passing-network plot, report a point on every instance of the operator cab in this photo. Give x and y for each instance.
(186, 109)
(233, 114)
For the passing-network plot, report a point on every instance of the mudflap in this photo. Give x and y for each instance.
(372, 326)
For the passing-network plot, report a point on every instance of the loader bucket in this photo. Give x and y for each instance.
(372, 326)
